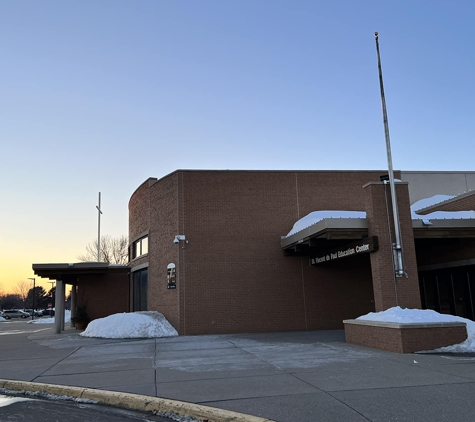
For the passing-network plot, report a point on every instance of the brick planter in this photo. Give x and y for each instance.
(404, 338)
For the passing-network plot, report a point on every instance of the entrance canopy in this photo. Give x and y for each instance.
(69, 273)
(79, 274)
(327, 229)
(323, 232)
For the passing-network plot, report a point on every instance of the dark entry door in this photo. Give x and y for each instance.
(140, 286)
(449, 291)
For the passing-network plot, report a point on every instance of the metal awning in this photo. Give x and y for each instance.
(444, 228)
(328, 229)
(357, 228)
(68, 273)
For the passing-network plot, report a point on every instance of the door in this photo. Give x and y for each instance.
(140, 281)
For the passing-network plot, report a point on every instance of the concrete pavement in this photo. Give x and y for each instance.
(286, 377)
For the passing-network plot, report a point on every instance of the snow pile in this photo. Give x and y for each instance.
(415, 316)
(316, 216)
(50, 320)
(433, 200)
(45, 395)
(2, 319)
(130, 325)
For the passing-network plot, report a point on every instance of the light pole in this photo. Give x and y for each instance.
(34, 289)
(52, 298)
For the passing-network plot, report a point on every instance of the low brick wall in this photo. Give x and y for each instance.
(404, 338)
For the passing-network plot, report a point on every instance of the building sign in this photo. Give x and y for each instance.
(171, 276)
(367, 245)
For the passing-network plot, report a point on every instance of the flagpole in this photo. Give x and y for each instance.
(397, 247)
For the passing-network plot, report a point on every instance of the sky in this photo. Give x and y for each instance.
(97, 96)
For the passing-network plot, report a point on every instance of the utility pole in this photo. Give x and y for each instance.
(397, 247)
(34, 291)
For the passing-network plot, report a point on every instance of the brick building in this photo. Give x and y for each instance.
(209, 249)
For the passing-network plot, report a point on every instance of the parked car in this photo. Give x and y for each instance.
(14, 313)
(48, 312)
(35, 313)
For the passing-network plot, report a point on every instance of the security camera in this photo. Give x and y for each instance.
(178, 237)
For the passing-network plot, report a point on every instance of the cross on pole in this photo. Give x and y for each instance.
(99, 212)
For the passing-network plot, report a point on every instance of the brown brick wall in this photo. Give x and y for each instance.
(139, 210)
(408, 294)
(154, 208)
(237, 278)
(233, 275)
(334, 190)
(104, 295)
(404, 340)
(164, 211)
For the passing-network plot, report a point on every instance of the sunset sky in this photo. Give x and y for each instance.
(100, 95)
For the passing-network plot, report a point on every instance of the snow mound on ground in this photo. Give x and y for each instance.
(131, 325)
(2, 319)
(421, 316)
(50, 320)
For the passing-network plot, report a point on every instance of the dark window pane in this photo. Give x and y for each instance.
(429, 292)
(463, 307)
(446, 298)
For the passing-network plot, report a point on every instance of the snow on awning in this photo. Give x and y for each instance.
(316, 216)
(327, 224)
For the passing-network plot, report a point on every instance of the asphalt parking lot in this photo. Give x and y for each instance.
(287, 377)
(34, 409)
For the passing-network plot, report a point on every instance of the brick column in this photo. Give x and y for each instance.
(382, 268)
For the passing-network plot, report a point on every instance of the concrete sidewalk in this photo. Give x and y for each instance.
(287, 377)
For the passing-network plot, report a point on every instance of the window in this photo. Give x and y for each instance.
(140, 247)
(140, 286)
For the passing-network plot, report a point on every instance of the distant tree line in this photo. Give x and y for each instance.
(114, 250)
(22, 298)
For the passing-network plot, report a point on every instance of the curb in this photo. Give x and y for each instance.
(133, 401)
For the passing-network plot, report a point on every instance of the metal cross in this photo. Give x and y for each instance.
(99, 212)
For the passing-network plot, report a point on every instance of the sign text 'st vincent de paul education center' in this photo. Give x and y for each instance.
(369, 244)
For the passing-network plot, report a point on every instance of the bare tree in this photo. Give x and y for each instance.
(114, 250)
(21, 289)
